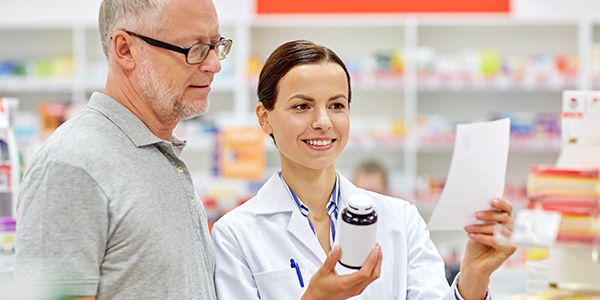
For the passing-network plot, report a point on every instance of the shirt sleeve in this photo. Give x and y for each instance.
(457, 295)
(62, 227)
(426, 273)
(232, 269)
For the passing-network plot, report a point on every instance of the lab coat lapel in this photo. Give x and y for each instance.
(274, 198)
(300, 228)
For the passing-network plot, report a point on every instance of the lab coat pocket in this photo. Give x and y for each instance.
(279, 285)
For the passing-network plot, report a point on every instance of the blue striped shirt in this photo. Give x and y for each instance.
(332, 207)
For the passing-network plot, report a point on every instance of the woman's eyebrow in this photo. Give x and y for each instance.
(337, 97)
(302, 96)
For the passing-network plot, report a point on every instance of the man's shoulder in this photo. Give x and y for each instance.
(86, 121)
(80, 137)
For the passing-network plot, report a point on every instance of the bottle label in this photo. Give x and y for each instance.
(356, 243)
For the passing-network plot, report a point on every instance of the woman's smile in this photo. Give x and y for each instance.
(319, 143)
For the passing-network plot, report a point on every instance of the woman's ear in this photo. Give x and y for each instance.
(263, 118)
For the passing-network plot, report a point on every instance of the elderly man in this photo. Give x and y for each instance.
(107, 208)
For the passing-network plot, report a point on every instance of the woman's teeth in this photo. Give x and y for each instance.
(319, 142)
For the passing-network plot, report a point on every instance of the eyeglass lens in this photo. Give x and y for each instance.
(199, 52)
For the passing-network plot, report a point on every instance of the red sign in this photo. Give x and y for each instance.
(572, 114)
(381, 6)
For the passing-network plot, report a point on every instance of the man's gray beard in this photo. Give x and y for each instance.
(162, 99)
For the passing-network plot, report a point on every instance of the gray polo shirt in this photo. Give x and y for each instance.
(109, 209)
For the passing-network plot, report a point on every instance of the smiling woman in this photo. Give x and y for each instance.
(310, 119)
(304, 92)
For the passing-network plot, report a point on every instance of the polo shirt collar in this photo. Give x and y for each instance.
(128, 123)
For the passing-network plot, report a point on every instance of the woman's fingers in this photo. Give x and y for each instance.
(495, 230)
(489, 229)
(501, 212)
(502, 204)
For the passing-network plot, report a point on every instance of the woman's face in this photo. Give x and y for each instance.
(310, 120)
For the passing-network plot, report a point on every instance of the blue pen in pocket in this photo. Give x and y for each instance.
(296, 266)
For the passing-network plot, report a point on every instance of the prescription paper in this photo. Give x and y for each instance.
(477, 174)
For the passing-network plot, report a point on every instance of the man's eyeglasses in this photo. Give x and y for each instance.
(194, 54)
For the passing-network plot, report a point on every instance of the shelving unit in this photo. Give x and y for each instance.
(412, 95)
(406, 97)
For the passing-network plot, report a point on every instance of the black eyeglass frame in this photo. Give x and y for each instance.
(185, 50)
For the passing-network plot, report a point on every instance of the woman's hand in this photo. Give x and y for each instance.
(327, 284)
(485, 252)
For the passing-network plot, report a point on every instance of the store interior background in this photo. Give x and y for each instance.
(415, 76)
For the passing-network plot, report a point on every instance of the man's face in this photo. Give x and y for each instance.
(372, 181)
(174, 89)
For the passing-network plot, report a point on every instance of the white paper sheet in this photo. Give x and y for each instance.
(477, 173)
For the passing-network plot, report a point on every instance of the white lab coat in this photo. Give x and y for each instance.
(255, 242)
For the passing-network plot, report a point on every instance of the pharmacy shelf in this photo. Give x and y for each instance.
(69, 62)
(405, 96)
(413, 95)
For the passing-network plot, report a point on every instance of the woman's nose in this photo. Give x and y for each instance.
(322, 120)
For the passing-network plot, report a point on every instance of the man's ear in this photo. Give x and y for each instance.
(122, 50)
(263, 118)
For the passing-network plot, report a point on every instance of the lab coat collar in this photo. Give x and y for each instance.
(273, 197)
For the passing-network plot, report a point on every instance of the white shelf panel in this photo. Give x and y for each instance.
(25, 85)
(330, 20)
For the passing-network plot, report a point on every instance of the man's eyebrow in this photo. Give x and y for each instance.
(200, 39)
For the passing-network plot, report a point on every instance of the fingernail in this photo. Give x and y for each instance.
(480, 214)
(495, 201)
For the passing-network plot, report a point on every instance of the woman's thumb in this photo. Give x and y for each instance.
(332, 258)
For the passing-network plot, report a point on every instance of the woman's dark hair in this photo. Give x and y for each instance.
(287, 56)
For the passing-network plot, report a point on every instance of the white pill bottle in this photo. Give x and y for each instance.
(357, 229)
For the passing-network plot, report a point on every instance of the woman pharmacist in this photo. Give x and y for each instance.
(304, 93)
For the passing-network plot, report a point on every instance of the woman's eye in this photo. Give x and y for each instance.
(301, 106)
(338, 106)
